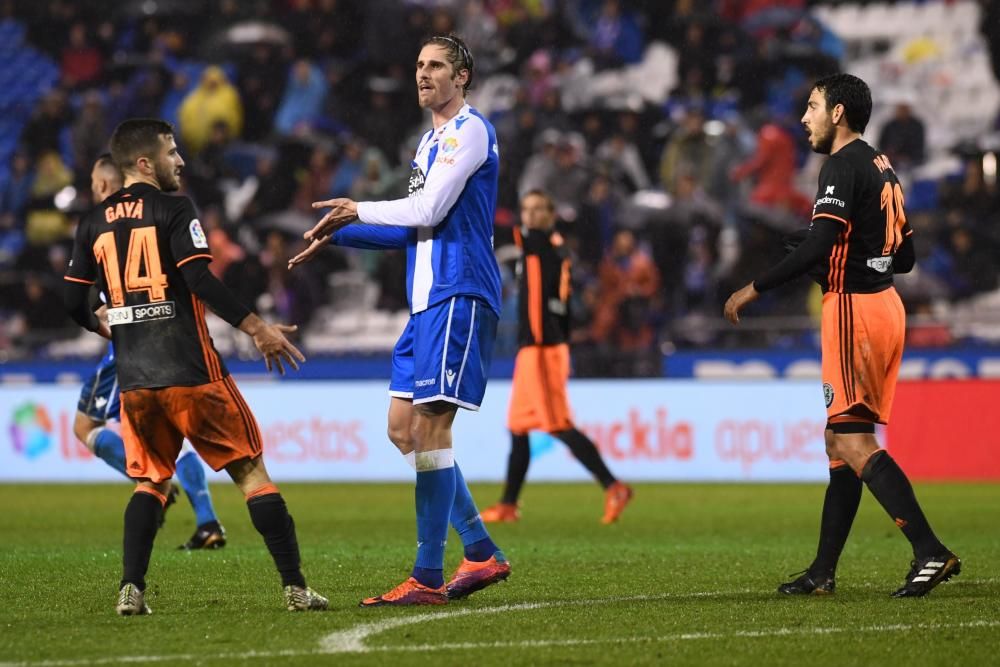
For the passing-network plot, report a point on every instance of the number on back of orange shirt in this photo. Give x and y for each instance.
(143, 272)
(895, 218)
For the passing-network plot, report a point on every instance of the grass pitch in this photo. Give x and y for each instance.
(687, 577)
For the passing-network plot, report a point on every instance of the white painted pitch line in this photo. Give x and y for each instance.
(687, 636)
(352, 640)
(530, 643)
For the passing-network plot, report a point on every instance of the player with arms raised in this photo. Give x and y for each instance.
(442, 358)
(857, 239)
(147, 252)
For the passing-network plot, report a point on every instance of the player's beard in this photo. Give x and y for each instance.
(167, 178)
(824, 142)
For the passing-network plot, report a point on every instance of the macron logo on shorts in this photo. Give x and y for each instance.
(449, 376)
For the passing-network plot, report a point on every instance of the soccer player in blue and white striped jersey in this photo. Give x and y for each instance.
(441, 360)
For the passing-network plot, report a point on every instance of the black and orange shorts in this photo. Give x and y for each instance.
(538, 398)
(862, 340)
(213, 416)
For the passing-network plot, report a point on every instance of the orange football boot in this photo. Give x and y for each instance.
(410, 592)
(616, 497)
(500, 513)
(472, 576)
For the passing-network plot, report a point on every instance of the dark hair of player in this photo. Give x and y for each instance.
(853, 93)
(540, 193)
(135, 138)
(458, 55)
(104, 160)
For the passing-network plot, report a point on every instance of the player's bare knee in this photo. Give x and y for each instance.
(248, 473)
(399, 435)
(427, 435)
(83, 429)
(854, 442)
(158, 489)
(831, 444)
(421, 436)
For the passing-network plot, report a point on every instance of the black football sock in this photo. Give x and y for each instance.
(585, 451)
(271, 519)
(889, 485)
(142, 517)
(517, 467)
(843, 496)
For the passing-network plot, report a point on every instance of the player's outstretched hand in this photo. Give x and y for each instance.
(309, 252)
(270, 340)
(342, 212)
(737, 300)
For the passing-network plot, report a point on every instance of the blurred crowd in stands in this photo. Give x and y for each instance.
(666, 131)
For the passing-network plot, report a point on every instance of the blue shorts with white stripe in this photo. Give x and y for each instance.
(444, 353)
(99, 398)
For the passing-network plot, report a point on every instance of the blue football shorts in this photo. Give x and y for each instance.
(444, 353)
(99, 398)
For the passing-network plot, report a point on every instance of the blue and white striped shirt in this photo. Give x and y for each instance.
(446, 222)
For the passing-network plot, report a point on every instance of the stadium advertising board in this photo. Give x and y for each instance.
(918, 364)
(647, 430)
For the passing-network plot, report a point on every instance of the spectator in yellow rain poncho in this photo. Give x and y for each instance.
(214, 100)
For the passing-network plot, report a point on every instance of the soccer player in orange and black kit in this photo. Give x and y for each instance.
(857, 239)
(538, 398)
(148, 253)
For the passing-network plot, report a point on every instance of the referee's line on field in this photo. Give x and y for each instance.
(353, 639)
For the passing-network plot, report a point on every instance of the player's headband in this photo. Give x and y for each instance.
(463, 50)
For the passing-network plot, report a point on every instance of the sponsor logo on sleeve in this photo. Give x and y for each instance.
(416, 183)
(829, 189)
(197, 235)
(830, 200)
(880, 264)
(448, 147)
